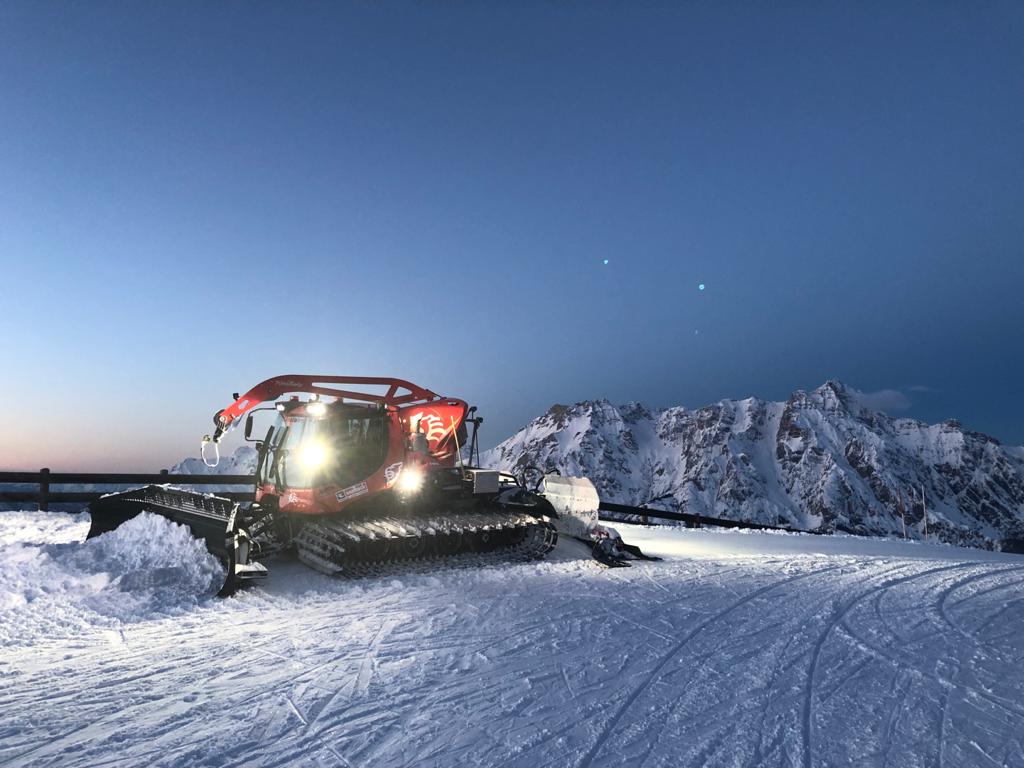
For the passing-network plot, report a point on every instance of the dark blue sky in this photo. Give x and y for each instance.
(196, 197)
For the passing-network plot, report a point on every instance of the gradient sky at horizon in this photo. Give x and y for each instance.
(511, 203)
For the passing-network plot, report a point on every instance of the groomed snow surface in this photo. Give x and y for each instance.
(737, 650)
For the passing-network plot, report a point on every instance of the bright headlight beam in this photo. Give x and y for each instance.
(410, 481)
(313, 454)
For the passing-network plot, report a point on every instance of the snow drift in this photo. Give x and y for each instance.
(146, 568)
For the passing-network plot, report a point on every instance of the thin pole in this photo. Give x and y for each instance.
(458, 448)
(903, 516)
(925, 508)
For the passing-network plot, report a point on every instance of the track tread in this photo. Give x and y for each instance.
(338, 546)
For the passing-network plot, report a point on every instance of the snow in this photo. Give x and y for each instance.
(820, 459)
(242, 461)
(53, 582)
(738, 649)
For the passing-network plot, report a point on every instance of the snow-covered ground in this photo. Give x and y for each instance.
(740, 649)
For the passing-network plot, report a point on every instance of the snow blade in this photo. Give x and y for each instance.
(211, 518)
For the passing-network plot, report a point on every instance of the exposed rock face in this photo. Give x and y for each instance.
(821, 459)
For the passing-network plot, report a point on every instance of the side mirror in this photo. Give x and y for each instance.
(248, 426)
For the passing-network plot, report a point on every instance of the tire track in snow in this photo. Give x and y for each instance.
(837, 618)
(326, 717)
(989, 590)
(901, 686)
(954, 685)
(880, 653)
(525, 630)
(947, 694)
(1007, 607)
(948, 592)
(602, 738)
(889, 569)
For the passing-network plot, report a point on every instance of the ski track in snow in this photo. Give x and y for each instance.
(737, 650)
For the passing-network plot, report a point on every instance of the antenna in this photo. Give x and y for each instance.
(458, 450)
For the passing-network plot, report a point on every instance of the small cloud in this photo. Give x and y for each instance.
(920, 388)
(887, 400)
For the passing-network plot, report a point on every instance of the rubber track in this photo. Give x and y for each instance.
(374, 545)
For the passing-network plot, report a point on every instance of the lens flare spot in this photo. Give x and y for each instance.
(410, 481)
(700, 287)
(313, 454)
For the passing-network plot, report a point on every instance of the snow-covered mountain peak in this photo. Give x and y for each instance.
(823, 458)
(635, 411)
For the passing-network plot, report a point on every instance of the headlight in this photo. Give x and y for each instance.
(410, 481)
(316, 409)
(313, 454)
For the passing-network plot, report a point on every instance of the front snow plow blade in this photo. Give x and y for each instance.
(213, 519)
(576, 503)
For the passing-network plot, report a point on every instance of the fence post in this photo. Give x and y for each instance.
(44, 489)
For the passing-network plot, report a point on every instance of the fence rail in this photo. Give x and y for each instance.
(44, 480)
(691, 520)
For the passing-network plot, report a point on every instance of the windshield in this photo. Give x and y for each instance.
(266, 469)
(344, 448)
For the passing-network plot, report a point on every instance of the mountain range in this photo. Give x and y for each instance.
(821, 460)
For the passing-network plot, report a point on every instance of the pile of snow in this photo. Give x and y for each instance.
(56, 583)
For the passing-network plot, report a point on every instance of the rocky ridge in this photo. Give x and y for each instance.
(820, 460)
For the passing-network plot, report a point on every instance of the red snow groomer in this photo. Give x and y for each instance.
(352, 478)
